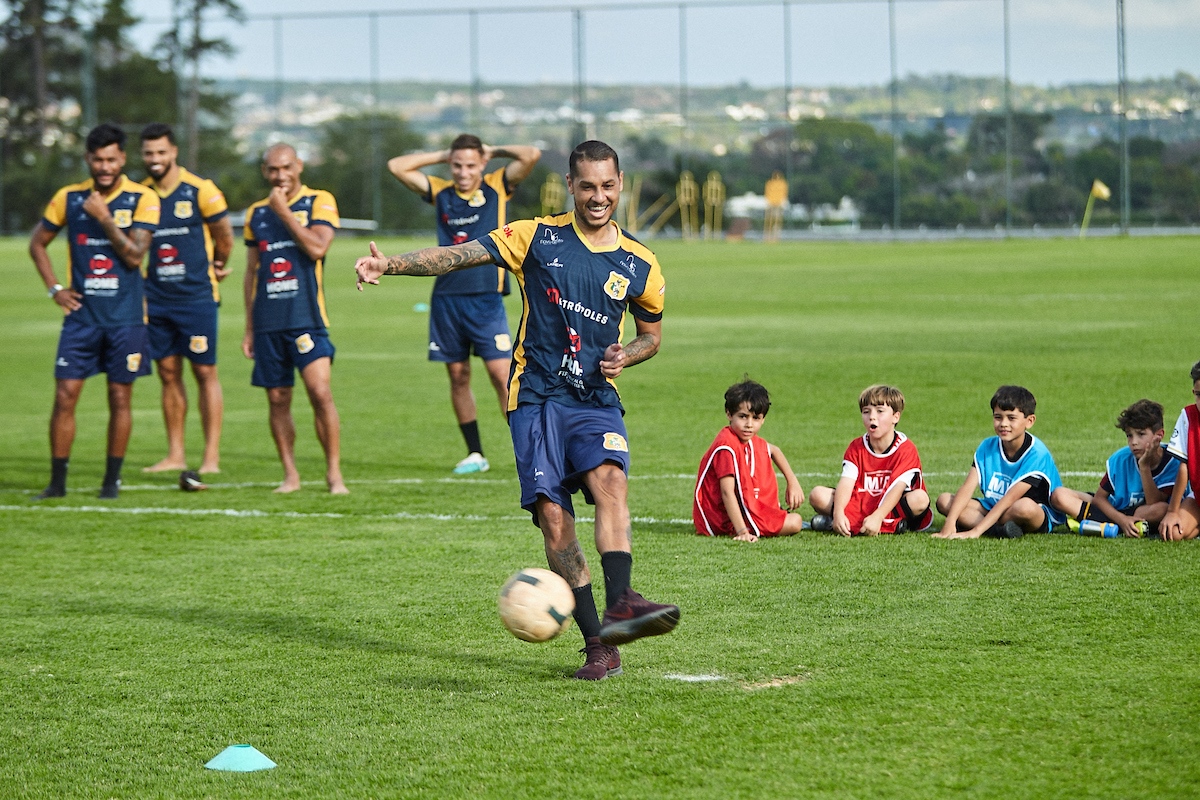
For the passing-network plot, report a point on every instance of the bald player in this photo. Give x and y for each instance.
(287, 237)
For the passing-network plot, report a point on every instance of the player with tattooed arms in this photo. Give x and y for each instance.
(578, 273)
(109, 221)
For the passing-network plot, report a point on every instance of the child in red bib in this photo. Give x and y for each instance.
(1182, 520)
(881, 489)
(736, 491)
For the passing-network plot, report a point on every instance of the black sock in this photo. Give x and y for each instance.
(617, 568)
(1083, 512)
(585, 612)
(470, 432)
(112, 470)
(58, 474)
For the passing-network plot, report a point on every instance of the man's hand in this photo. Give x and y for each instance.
(220, 271)
(69, 299)
(368, 268)
(613, 361)
(278, 200)
(96, 208)
(248, 346)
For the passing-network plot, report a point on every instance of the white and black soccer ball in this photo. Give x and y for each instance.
(536, 605)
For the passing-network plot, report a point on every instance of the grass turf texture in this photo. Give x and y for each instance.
(354, 640)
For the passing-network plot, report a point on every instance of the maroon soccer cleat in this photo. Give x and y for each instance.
(635, 617)
(602, 661)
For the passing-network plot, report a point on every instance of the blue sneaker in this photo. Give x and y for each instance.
(472, 463)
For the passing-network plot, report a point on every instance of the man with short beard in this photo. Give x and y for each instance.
(187, 261)
(109, 220)
(579, 273)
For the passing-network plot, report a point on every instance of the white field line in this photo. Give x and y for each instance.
(169, 487)
(259, 514)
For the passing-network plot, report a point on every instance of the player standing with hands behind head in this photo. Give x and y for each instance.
(109, 221)
(287, 237)
(467, 310)
(578, 273)
(191, 248)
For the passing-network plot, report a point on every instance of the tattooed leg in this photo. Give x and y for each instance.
(563, 553)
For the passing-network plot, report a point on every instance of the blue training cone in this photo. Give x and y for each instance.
(240, 758)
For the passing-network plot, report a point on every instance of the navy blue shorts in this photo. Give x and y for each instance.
(85, 350)
(462, 323)
(278, 353)
(555, 445)
(189, 331)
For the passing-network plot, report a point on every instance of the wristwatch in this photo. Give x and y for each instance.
(55, 289)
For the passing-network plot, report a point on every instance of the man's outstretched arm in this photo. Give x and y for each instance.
(430, 261)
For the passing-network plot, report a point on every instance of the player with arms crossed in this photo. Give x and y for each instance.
(191, 248)
(287, 236)
(578, 274)
(466, 311)
(109, 221)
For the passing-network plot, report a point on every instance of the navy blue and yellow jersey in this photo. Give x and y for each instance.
(289, 291)
(181, 256)
(112, 290)
(462, 219)
(575, 298)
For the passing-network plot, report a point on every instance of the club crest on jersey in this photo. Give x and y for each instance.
(198, 344)
(477, 199)
(304, 343)
(301, 217)
(183, 209)
(615, 441)
(123, 217)
(616, 286)
(133, 362)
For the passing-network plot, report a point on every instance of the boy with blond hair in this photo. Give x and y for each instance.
(736, 493)
(881, 489)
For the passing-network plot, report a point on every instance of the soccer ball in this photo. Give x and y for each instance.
(536, 605)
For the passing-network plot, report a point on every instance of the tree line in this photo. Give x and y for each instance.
(61, 74)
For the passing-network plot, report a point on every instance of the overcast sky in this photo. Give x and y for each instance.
(833, 43)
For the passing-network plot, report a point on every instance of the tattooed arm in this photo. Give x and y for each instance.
(430, 261)
(131, 247)
(644, 346)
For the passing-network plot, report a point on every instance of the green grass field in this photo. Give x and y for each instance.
(354, 640)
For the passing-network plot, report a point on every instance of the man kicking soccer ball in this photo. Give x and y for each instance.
(579, 273)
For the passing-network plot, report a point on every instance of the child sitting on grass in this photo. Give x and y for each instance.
(736, 493)
(1137, 480)
(1182, 520)
(1015, 472)
(881, 489)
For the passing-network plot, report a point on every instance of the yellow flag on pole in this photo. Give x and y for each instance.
(1100, 191)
